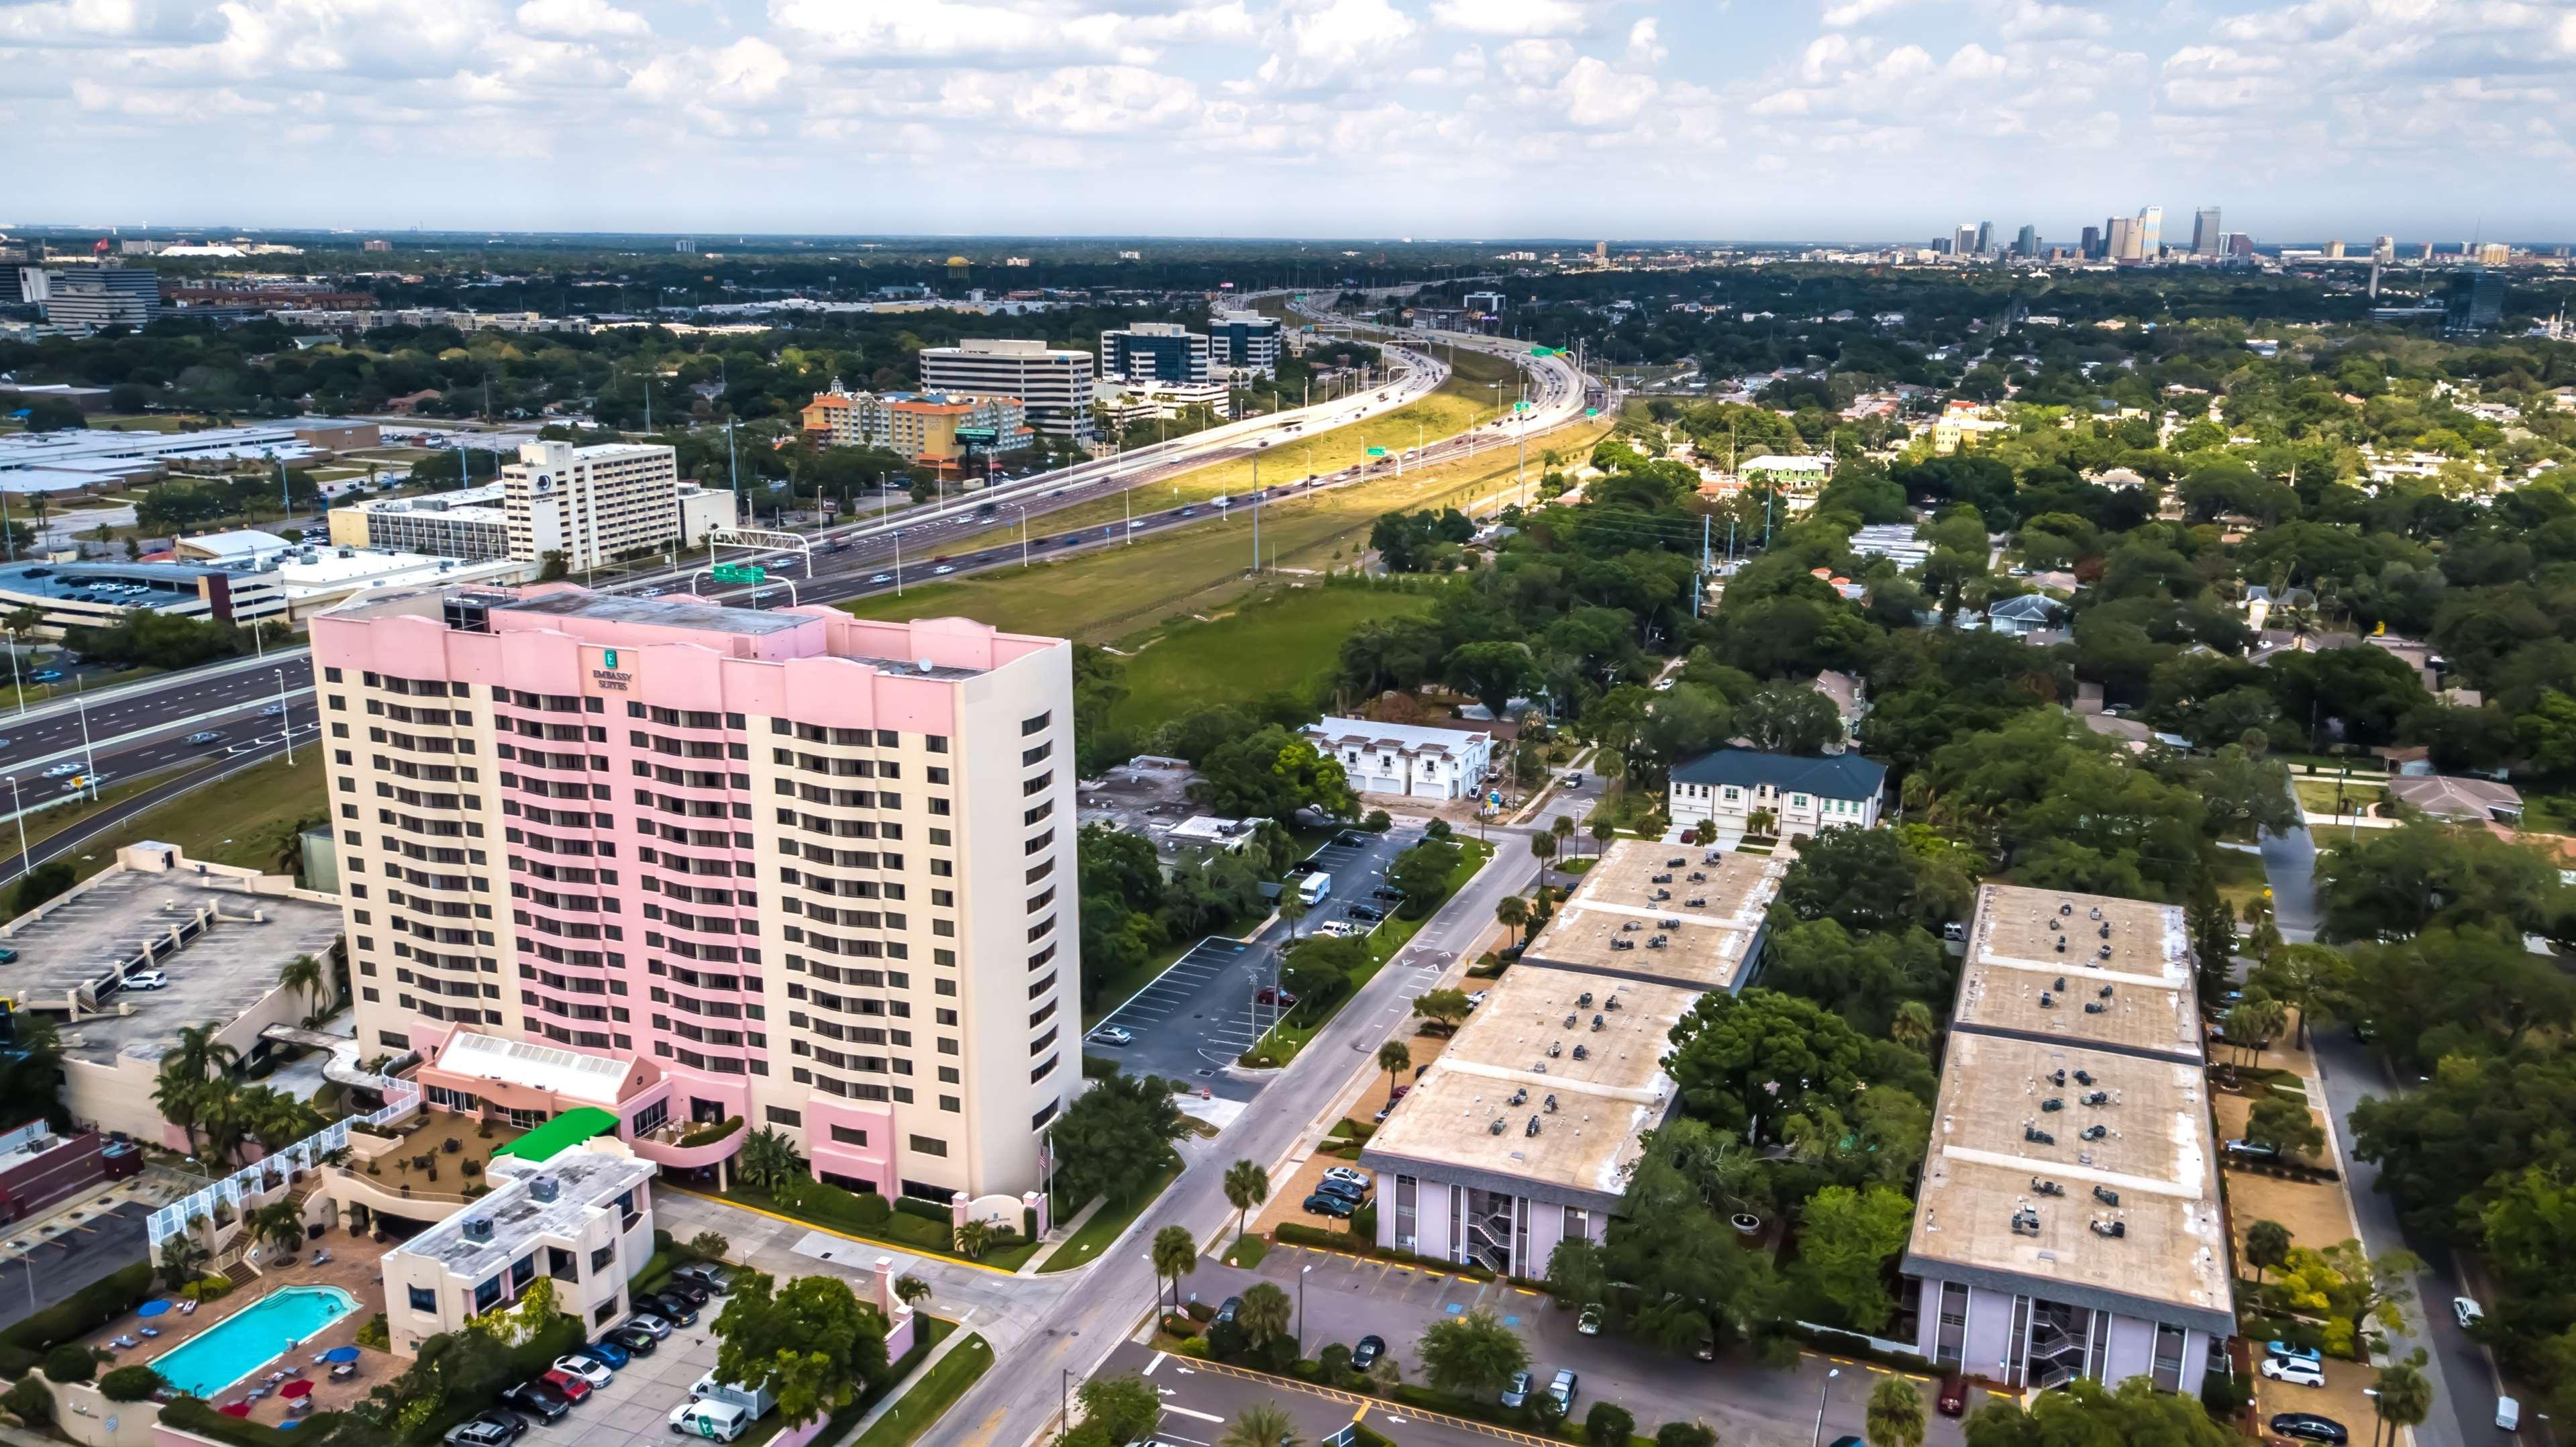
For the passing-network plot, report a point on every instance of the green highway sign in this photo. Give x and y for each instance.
(1547, 351)
(740, 573)
(1522, 406)
(1591, 411)
(1377, 452)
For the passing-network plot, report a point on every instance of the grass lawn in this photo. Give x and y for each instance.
(1247, 1251)
(900, 1229)
(2239, 876)
(2318, 795)
(930, 1396)
(1283, 640)
(249, 819)
(1084, 1246)
(1109, 593)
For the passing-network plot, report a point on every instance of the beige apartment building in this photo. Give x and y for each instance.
(811, 871)
(582, 1218)
(591, 504)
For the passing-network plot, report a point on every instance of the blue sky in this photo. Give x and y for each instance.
(1737, 119)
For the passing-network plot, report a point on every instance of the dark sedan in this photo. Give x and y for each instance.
(1365, 1355)
(537, 1399)
(2310, 1427)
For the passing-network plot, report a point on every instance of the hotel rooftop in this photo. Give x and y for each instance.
(2072, 1156)
(1546, 1091)
(1664, 913)
(528, 1204)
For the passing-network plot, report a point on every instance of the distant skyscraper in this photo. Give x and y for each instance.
(685, 245)
(2151, 232)
(2027, 244)
(2334, 251)
(2384, 250)
(2424, 251)
(2122, 244)
(2494, 253)
(2475, 302)
(2240, 244)
(2204, 232)
(2092, 243)
(1985, 237)
(1963, 241)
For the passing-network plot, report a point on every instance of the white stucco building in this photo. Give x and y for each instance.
(1409, 761)
(1802, 795)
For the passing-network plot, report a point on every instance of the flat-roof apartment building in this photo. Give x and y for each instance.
(816, 871)
(1522, 1132)
(2069, 1222)
(591, 504)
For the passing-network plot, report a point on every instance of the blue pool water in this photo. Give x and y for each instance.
(251, 1338)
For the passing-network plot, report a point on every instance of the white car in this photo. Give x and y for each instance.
(1348, 1176)
(880, 580)
(716, 1421)
(2296, 1373)
(2468, 1311)
(588, 1370)
(147, 980)
(943, 570)
(62, 771)
(1112, 1035)
(647, 1322)
(1477, 998)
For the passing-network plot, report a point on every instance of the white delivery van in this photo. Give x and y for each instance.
(2509, 1414)
(1314, 887)
(714, 1420)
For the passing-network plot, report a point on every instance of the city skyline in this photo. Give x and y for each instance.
(1833, 120)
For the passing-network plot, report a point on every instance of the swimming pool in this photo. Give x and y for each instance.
(249, 1339)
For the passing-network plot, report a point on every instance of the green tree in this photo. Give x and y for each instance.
(1247, 1185)
(1422, 872)
(304, 975)
(1685, 1434)
(1512, 912)
(911, 1290)
(1843, 1251)
(1444, 1008)
(2402, 1398)
(767, 1162)
(1116, 1137)
(1125, 1406)
(2267, 1246)
(40, 884)
(1265, 1315)
(813, 1343)
(1471, 1354)
(2286, 1125)
(1608, 1425)
(1789, 718)
(2135, 1414)
(1493, 673)
(1262, 1424)
(974, 1238)
(1394, 1059)
(1895, 1414)
(181, 1259)
(1175, 1252)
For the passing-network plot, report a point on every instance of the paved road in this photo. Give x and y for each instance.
(62, 1261)
(242, 688)
(66, 841)
(2464, 1380)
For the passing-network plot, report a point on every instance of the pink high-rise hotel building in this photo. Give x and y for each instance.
(688, 864)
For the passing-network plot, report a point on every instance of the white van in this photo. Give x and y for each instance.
(2509, 1414)
(1314, 887)
(714, 1420)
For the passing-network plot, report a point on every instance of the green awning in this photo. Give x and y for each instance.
(560, 1134)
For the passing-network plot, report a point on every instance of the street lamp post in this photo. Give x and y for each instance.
(1826, 1387)
(285, 717)
(20, 811)
(1024, 532)
(89, 756)
(1302, 1273)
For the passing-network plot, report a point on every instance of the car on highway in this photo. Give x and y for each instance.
(943, 569)
(2296, 1373)
(1113, 1035)
(62, 771)
(881, 578)
(1365, 1355)
(201, 736)
(147, 980)
(45, 675)
(84, 781)
(1325, 1203)
(273, 710)
(2310, 1427)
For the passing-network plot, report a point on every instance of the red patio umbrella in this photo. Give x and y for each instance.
(296, 1389)
(235, 1409)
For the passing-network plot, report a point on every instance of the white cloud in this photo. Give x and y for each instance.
(1511, 17)
(581, 20)
(1842, 14)
(1645, 43)
(1320, 43)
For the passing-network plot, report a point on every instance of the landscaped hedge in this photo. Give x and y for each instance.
(74, 1317)
(189, 1414)
(913, 1206)
(710, 1134)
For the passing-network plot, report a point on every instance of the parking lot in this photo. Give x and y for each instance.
(635, 1409)
(1202, 1012)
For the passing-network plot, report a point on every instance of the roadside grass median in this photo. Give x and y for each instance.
(1084, 1246)
(1282, 1041)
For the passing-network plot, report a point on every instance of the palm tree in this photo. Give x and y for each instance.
(1895, 1414)
(1394, 1059)
(1543, 846)
(305, 975)
(911, 1290)
(226, 1116)
(1760, 822)
(1913, 794)
(180, 1098)
(974, 1238)
(180, 1258)
(1602, 829)
(2267, 1245)
(200, 1054)
(1175, 1252)
(767, 1161)
(280, 1225)
(1563, 829)
(1265, 1313)
(1912, 1027)
(1292, 908)
(1512, 913)
(1246, 1185)
(1263, 1424)
(2405, 1397)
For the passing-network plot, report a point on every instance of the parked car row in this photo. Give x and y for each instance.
(1341, 1193)
(575, 1376)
